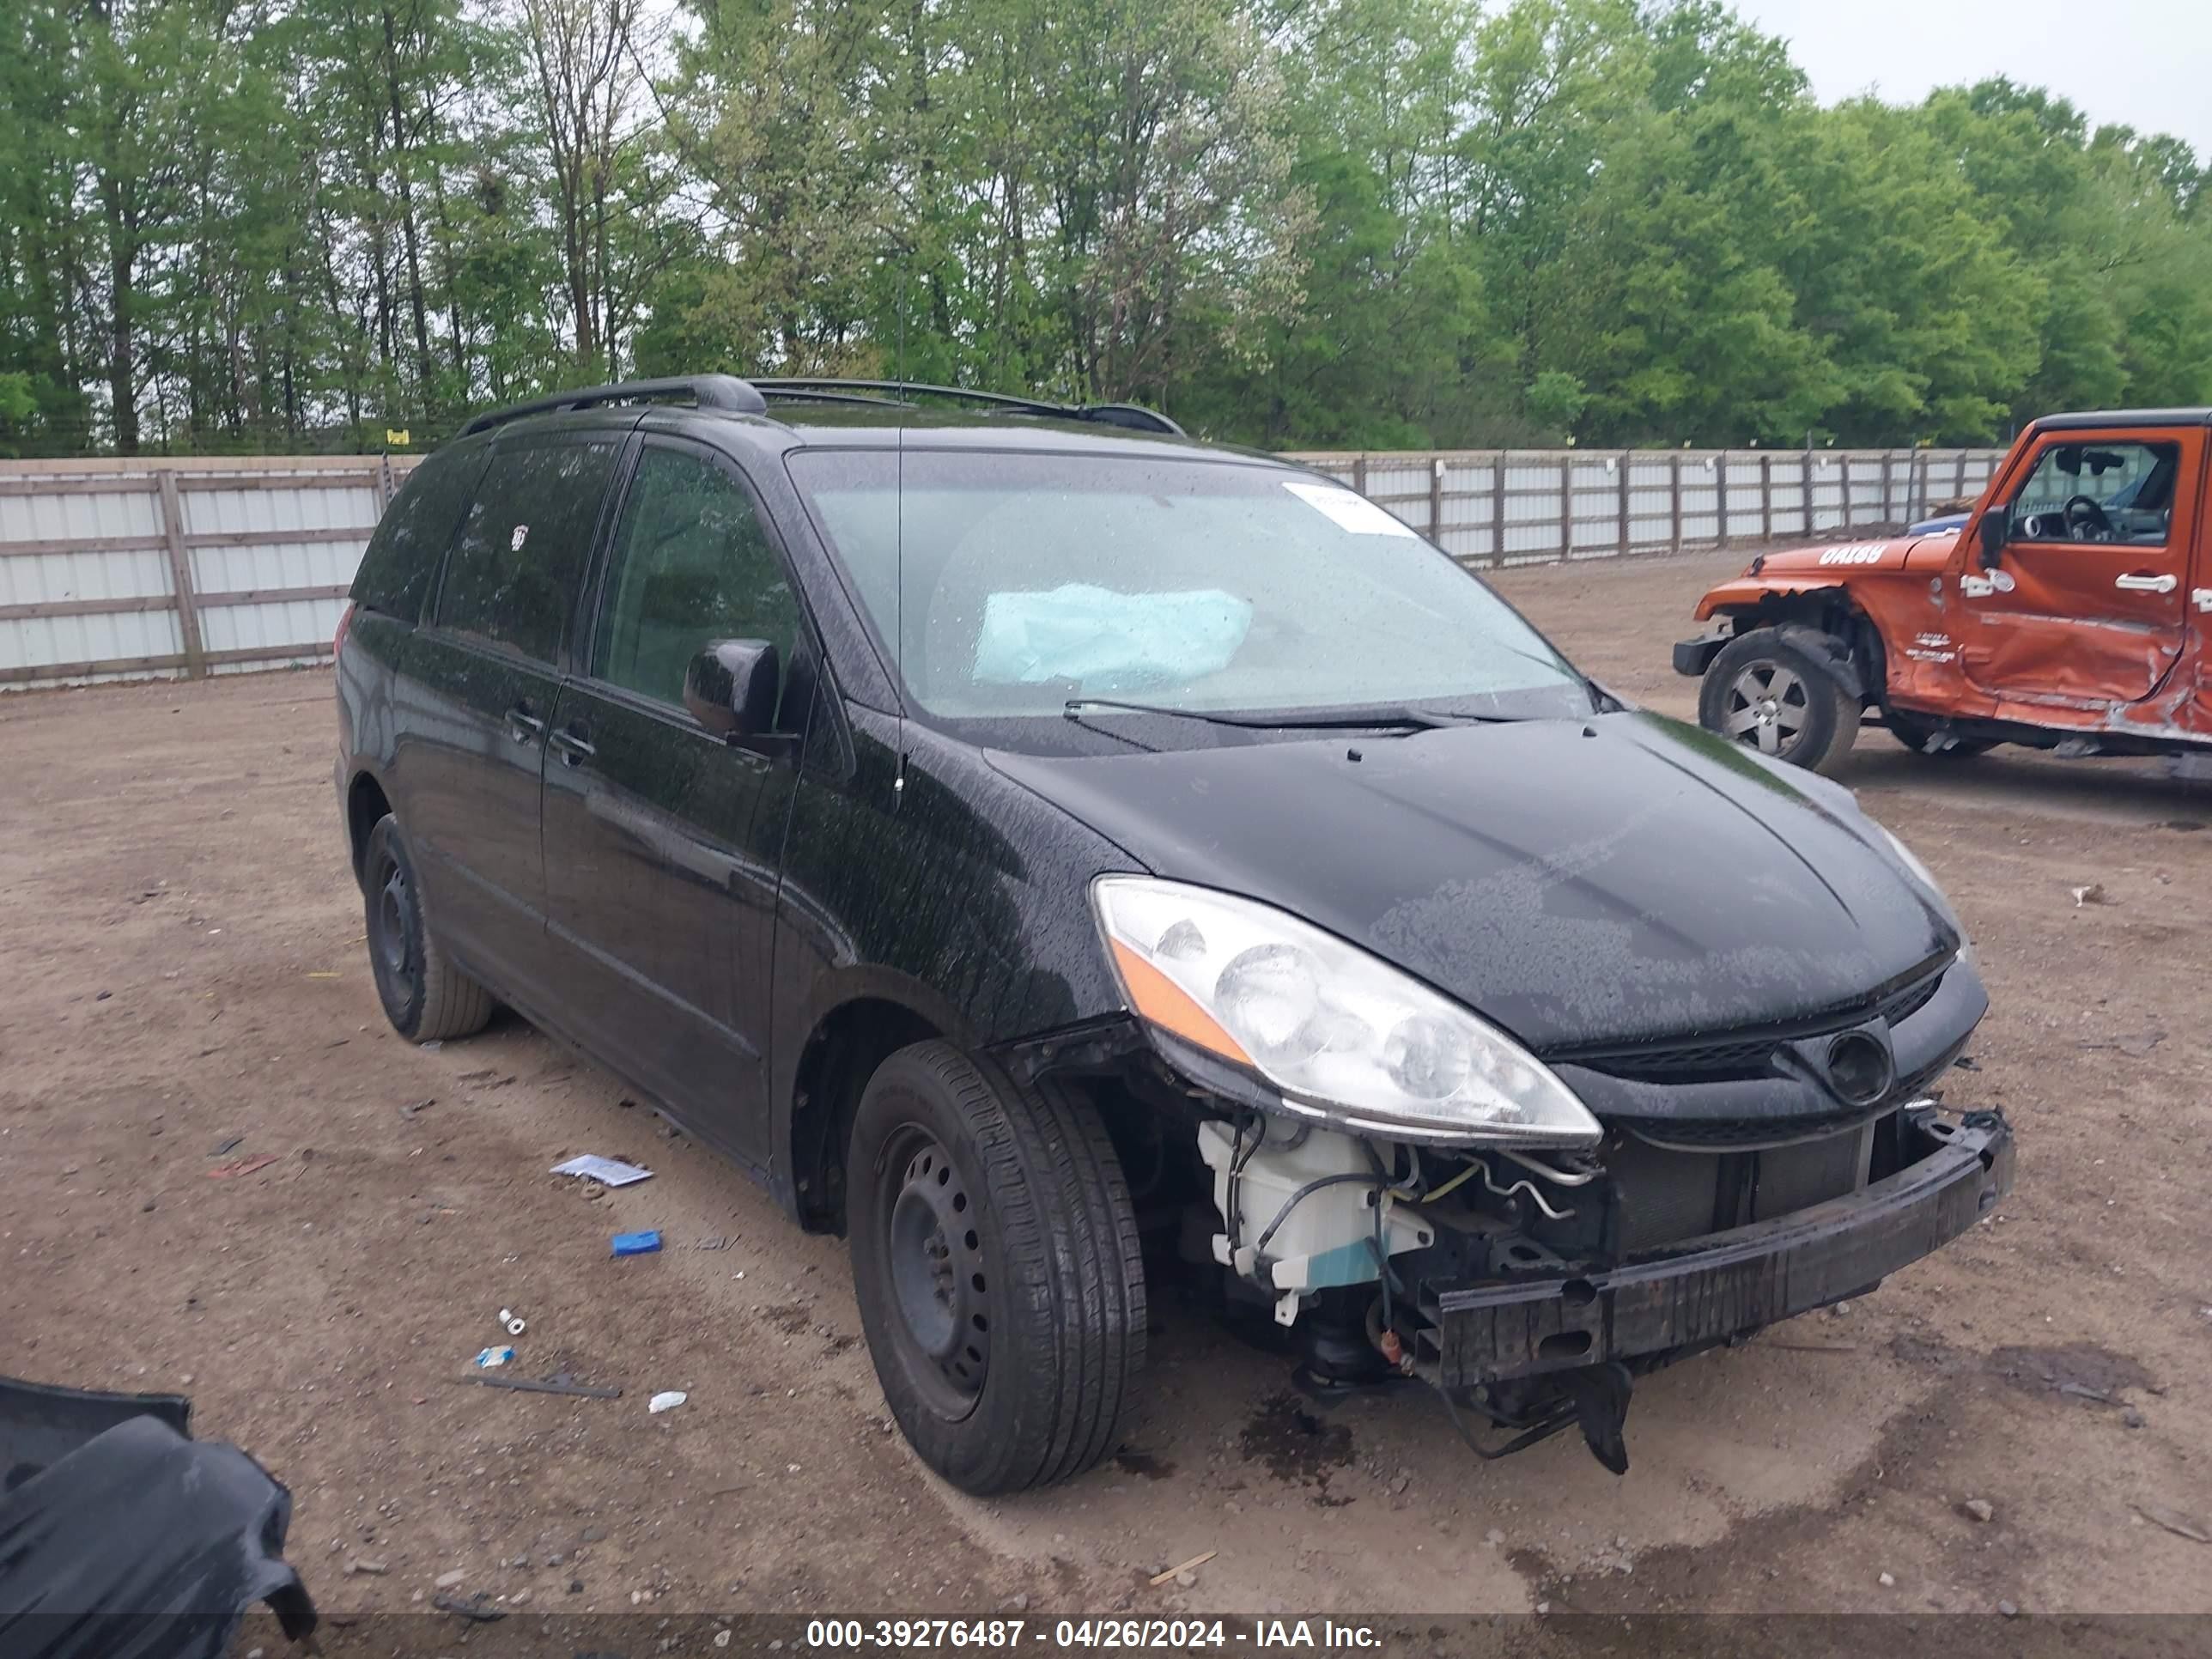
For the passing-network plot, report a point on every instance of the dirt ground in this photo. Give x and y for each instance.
(185, 989)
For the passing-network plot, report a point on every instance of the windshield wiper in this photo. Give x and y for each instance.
(1396, 717)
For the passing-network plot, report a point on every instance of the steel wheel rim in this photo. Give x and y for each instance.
(932, 1248)
(397, 958)
(1768, 704)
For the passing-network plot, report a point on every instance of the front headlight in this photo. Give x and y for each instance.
(1341, 1035)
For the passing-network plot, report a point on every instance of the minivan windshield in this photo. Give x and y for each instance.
(1029, 584)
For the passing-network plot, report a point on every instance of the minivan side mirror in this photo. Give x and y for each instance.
(1997, 527)
(729, 687)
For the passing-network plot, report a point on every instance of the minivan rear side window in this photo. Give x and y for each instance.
(519, 561)
(402, 561)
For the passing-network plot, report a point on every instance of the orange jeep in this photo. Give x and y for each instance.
(2070, 611)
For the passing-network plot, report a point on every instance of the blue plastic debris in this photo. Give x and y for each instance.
(493, 1357)
(644, 1243)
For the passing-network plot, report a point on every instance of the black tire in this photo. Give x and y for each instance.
(1914, 733)
(996, 1261)
(425, 996)
(1771, 696)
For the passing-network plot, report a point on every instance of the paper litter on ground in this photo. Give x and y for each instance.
(607, 1171)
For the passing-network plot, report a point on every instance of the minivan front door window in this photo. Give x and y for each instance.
(691, 564)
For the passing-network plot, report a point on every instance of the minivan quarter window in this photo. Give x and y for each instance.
(402, 561)
(515, 567)
(691, 563)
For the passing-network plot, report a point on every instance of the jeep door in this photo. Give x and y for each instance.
(662, 841)
(2087, 602)
(483, 674)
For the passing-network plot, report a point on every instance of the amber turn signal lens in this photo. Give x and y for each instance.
(1160, 1000)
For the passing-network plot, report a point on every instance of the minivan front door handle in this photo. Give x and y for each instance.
(522, 726)
(575, 748)
(2164, 584)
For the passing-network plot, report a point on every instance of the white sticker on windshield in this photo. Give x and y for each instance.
(1353, 512)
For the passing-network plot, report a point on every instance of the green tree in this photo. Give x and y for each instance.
(234, 224)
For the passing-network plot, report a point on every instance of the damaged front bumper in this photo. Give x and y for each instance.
(1693, 656)
(1704, 1290)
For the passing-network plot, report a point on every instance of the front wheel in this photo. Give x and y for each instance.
(996, 1261)
(1769, 695)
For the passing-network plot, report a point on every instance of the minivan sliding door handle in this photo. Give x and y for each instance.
(575, 748)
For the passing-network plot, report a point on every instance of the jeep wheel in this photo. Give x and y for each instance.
(425, 996)
(995, 1260)
(1766, 693)
(1914, 734)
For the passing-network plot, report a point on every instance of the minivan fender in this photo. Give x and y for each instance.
(827, 1047)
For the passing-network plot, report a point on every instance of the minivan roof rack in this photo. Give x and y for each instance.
(834, 389)
(707, 390)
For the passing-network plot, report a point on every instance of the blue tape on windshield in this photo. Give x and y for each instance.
(1104, 641)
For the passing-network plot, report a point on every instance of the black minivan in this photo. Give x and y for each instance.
(1050, 851)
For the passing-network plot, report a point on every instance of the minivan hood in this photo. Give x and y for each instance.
(1622, 878)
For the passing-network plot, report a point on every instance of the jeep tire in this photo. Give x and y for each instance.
(1769, 693)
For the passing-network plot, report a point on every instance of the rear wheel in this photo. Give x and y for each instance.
(425, 996)
(1914, 734)
(1769, 695)
(996, 1263)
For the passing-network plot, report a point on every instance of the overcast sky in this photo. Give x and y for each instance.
(2144, 62)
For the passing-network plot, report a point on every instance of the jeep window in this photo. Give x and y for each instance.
(2098, 491)
(512, 575)
(401, 560)
(1025, 581)
(691, 564)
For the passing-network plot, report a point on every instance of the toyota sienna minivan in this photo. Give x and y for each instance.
(1048, 851)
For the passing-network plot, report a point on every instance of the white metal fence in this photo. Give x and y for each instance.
(1493, 508)
(139, 569)
(114, 569)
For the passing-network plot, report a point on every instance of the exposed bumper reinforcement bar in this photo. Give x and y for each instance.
(1706, 1290)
